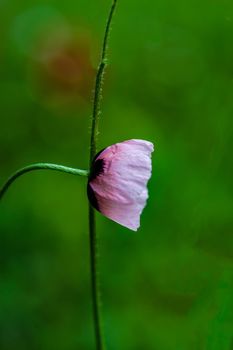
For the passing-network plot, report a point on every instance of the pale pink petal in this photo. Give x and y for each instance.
(120, 185)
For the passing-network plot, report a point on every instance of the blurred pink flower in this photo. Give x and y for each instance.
(117, 185)
(62, 67)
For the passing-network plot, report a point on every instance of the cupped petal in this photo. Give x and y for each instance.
(118, 183)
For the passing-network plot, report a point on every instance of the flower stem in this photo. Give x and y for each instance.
(40, 166)
(92, 225)
(98, 85)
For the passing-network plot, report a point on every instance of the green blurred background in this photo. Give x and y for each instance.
(170, 81)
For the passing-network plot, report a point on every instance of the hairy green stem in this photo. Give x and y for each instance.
(98, 85)
(40, 166)
(92, 226)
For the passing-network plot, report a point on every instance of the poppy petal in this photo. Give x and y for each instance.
(118, 183)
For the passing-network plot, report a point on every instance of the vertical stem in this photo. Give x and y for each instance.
(98, 85)
(94, 281)
(92, 225)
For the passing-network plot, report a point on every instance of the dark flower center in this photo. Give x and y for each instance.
(97, 169)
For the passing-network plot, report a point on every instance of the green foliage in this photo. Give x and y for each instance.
(169, 286)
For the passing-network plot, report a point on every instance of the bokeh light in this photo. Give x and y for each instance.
(169, 286)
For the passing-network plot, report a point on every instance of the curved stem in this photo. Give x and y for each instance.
(40, 166)
(92, 226)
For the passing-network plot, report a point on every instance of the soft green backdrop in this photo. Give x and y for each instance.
(169, 286)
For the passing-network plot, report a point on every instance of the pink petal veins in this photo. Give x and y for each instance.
(118, 183)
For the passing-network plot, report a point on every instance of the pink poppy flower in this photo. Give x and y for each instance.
(117, 185)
